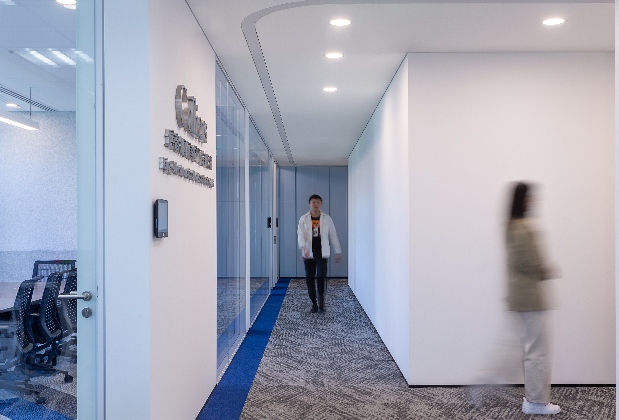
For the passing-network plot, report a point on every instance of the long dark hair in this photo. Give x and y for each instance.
(519, 204)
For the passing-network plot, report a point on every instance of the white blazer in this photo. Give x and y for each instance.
(327, 231)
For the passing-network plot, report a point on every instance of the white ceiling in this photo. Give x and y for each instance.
(289, 39)
(273, 51)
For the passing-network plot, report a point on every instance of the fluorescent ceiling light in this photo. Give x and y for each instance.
(12, 105)
(334, 55)
(83, 56)
(330, 89)
(554, 21)
(37, 58)
(69, 4)
(18, 120)
(62, 57)
(340, 22)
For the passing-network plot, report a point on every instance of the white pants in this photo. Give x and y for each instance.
(536, 358)
(522, 346)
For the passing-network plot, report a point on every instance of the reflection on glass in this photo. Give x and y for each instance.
(260, 201)
(38, 262)
(230, 169)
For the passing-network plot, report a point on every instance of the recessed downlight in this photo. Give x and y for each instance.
(340, 22)
(553, 21)
(329, 89)
(334, 55)
(12, 105)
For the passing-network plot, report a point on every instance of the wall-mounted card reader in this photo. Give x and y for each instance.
(161, 218)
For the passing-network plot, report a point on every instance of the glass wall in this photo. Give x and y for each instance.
(47, 212)
(230, 185)
(260, 210)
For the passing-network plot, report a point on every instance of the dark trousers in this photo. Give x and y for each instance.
(315, 270)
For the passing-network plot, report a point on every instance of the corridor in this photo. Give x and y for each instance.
(335, 366)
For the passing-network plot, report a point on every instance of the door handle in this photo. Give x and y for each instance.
(85, 296)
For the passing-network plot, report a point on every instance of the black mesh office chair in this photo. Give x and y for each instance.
(67, 312)
(16, 341)
(47, 331)
(45, 268)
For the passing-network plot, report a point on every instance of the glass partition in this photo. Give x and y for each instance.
(230, 185)
(260, 203)
(48, 190)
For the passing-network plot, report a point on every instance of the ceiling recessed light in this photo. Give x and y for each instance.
(62, 57)
(36, 57)
(329, 89)
(14, 118)
(340, 22)
(334, 55)
(66, 2)
(12, 105)
(554, 21)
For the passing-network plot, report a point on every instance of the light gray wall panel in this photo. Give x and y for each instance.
(287, 222)
(310, 180)
(295, 187)
(338, 192)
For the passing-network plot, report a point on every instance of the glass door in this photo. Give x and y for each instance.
(261, 221)
(84, 303)
(48, 246)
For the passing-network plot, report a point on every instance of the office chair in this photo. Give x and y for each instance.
(67, 312)
(45, 268)
(47, 331)
(16, 341)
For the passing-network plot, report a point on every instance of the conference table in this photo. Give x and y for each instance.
(8, 292)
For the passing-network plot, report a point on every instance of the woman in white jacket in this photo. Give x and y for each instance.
(314, 232)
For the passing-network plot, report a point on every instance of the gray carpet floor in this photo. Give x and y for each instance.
(334, 366)
(61, 397)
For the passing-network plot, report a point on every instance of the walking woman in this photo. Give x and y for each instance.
(526, 269)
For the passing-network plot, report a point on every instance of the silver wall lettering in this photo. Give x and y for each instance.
(187, 150)
(181, 97)
(169, 167)
(187, 115)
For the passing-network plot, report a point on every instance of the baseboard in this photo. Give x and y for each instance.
(303, 278)
(518, 385)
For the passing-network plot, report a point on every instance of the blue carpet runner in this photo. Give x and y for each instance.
(20, 409)
(228, 397)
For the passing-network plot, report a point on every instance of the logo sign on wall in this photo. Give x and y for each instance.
(187, 119)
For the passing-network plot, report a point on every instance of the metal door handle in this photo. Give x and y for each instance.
(85, 296)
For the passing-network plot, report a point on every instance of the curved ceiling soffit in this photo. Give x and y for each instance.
(253, 42)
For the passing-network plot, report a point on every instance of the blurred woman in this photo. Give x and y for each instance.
(526, 269)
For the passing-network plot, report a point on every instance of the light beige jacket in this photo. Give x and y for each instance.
(525, 268)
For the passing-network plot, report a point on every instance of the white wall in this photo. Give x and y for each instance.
(616, 191)
(160, 325)
(478, 122)
(127, 211)
(475, 123)
(183, 267)
(38, 209)
(379, 219)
